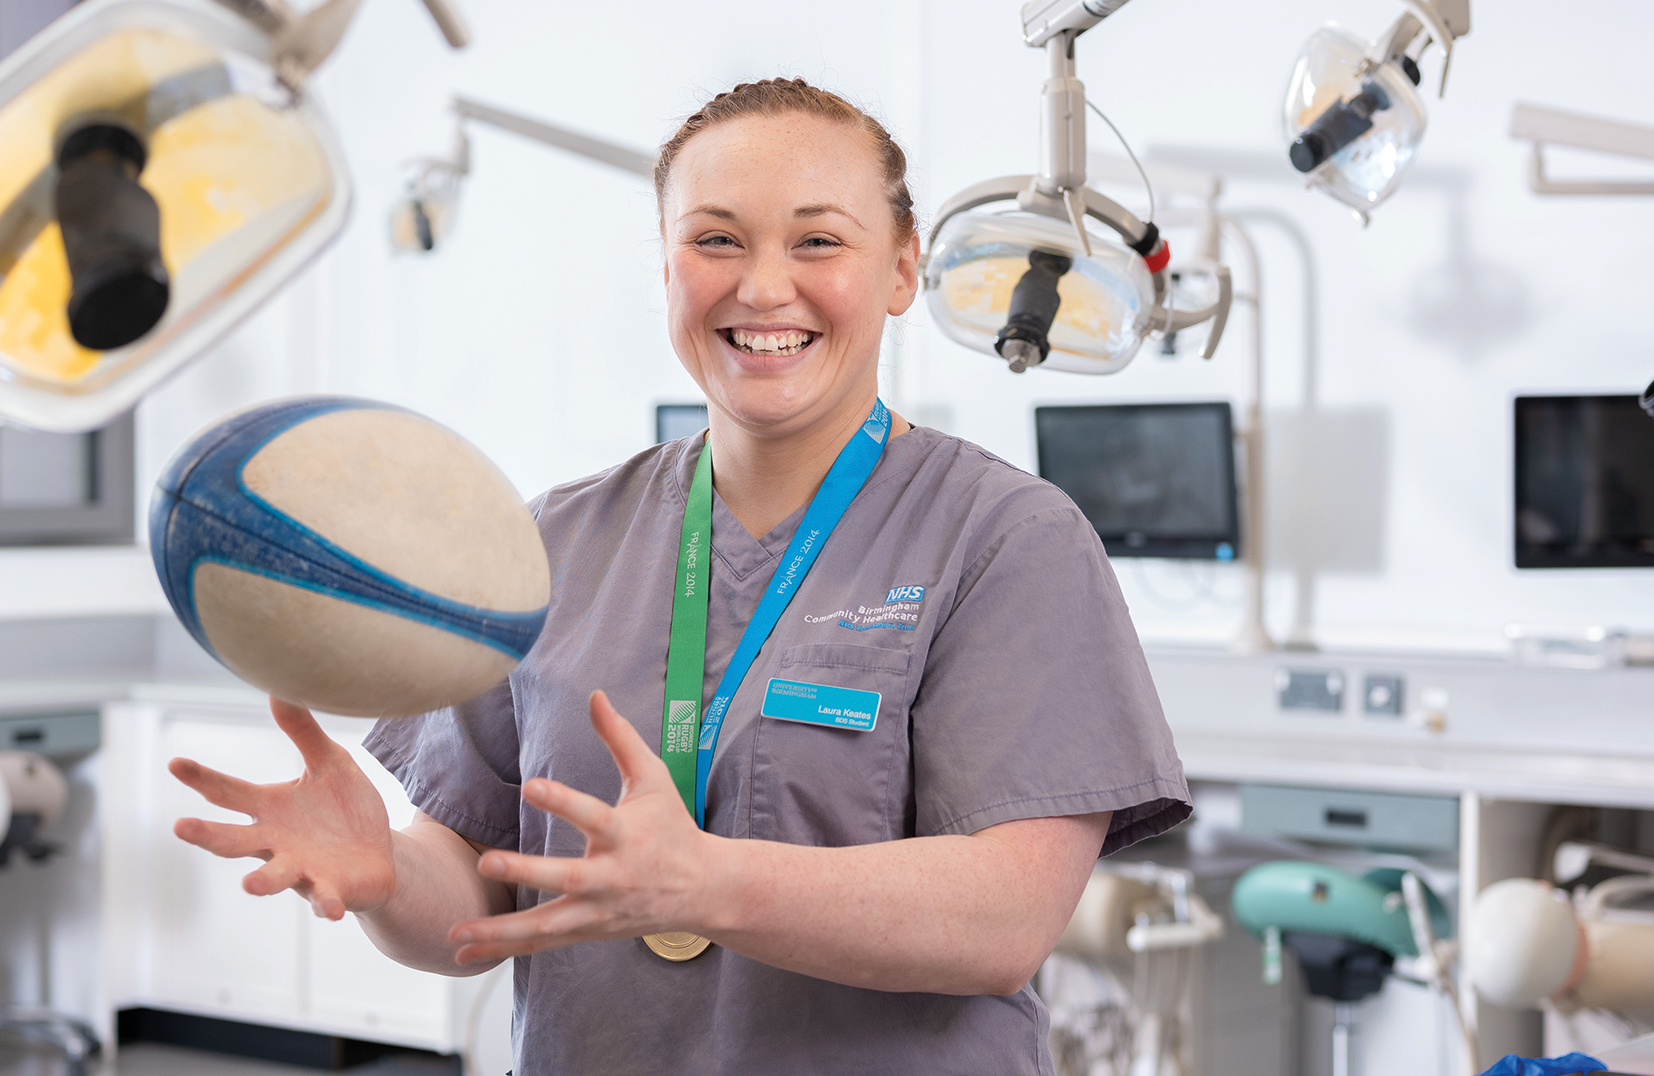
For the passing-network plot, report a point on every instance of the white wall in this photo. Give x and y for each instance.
(538, 331)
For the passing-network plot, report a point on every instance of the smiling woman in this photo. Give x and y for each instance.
(898, 703)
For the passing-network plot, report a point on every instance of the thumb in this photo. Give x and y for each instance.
(638, 765)
(314, 745)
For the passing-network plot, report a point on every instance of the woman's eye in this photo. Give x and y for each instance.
(715, 241)
(819, 242)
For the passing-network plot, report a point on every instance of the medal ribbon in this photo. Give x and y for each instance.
(686, 652)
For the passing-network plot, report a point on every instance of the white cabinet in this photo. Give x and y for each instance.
(183, 935)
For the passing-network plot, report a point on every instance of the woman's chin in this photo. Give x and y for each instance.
(757, 409)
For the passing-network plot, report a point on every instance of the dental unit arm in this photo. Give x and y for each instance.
(1059, 193)
(300, 43)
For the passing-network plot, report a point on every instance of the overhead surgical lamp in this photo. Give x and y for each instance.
(1353, 118)
(163, 171)
(1034, 284)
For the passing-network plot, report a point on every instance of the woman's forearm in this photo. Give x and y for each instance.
(437, 885)
(945, 915)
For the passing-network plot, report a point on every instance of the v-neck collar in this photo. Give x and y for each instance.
(734, 546)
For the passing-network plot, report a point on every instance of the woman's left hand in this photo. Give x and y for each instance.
(643, 865)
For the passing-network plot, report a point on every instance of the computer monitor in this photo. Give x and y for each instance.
(673, 421)
(1156, 480)
(1584, 482)
(67, 488)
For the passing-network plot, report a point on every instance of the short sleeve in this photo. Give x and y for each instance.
(459, 765)
(1036, 700)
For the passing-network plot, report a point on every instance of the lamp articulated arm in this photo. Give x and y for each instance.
(300, 43)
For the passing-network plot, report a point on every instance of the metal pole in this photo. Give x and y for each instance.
(1343, 1017)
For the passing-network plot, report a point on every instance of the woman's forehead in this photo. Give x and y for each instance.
(793, 163)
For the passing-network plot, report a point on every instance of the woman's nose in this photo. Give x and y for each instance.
(767, 282)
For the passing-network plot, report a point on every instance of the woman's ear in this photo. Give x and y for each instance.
(906, 273)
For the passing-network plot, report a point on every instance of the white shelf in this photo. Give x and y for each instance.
(55, 582)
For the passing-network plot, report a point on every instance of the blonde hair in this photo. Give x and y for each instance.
(777, 97)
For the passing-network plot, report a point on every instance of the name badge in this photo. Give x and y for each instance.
(821, 704)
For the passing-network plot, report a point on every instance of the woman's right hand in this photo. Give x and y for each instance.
(325, 835)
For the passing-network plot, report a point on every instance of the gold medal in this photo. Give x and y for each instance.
(676, 945)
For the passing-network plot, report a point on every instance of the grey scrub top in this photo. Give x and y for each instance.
(973, 597)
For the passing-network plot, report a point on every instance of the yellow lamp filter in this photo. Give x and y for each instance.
(247, 178)
(978, 259)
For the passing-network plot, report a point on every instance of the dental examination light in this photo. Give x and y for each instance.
(163, 171)
(424, 214)
(1353, 118)
(1033, 284)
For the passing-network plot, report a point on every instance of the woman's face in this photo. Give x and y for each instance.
(781, 265)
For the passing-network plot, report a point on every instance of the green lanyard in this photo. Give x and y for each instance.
(689, 750)
(686, 655)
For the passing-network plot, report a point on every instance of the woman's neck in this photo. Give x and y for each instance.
(764, 479)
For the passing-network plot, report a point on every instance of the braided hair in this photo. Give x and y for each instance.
(779, 96)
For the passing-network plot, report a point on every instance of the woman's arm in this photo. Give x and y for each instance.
(949, 915)
(437, 885)
(944, 915)
(326, 836)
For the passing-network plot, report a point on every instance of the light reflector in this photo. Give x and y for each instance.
(248, 178)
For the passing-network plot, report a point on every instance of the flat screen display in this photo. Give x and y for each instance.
(1156, 480)
(673, 421)
(1584, 482)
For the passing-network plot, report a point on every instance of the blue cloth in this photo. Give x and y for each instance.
(1511, 1065)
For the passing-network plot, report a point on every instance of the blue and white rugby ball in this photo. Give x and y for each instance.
(349, 556)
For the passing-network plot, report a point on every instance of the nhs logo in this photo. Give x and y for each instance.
(905, 594)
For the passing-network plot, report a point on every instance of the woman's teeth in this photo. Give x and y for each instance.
(788, 342)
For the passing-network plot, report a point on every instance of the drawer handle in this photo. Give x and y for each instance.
(28, 736)
(1346, 818)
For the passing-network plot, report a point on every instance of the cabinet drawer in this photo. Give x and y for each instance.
(53, 735)
(1375, 819)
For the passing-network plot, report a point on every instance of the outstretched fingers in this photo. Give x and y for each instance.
(549, 874)
(314, 745)
(637, 763)
(230, 842)
(218, 789)
(588, 814)
(325, 900)
(550, 925)
(278, 874)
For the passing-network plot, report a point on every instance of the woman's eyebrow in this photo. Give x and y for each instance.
(821, 209)
(712, 211)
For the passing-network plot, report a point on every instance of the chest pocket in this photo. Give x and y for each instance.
(815, 785)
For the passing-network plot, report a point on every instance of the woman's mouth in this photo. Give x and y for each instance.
(777, 344)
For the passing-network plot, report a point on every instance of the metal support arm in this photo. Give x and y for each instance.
(597, 149)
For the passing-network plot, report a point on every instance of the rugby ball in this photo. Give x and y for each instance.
(350, 556)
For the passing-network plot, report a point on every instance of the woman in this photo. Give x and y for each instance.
(915, 774)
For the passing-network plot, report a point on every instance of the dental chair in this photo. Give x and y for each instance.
(33, 793)
(1350, 933)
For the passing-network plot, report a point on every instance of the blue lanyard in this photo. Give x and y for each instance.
(844, 480)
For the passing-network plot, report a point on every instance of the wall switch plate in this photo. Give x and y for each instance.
(1315, 690)
(1383, 695)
